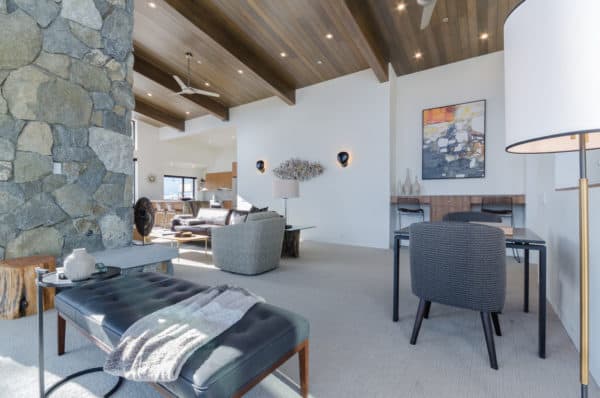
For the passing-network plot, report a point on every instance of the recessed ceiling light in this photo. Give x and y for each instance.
(187, 112)
(401, 7)
(329, 36)
(283, 54)
(418, 55)
(198, 62)
(241, 72)
(207, 84)
(151, 4)
(319, 62)
(445, 19)
(149, 94)
(484, 36)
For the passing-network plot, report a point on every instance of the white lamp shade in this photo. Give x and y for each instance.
(285, 188)
(552, 75)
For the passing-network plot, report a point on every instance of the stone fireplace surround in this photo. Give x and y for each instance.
(66, 154)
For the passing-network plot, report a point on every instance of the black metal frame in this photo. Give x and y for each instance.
(41, 368)
(510, 243)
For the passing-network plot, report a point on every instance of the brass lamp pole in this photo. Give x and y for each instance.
(584, 257)
(551, 84)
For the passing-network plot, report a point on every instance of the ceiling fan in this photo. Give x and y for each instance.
(187, 88)
(428, 6)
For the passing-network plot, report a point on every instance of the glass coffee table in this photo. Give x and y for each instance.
(179, 240)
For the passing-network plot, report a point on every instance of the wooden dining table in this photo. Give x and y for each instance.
(523, 239)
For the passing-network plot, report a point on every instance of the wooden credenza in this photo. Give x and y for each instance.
(444, 204)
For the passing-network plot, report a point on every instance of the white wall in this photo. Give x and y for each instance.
(554, 215)
(349, 206)
(222, 160)
(183, 156)
(469, 80)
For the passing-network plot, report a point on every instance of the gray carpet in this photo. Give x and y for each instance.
(356, 350)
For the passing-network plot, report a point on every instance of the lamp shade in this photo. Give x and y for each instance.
(285, 188)
(552, 78)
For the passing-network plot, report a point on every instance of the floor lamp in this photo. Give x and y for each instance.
(552, 102)
(285, 189)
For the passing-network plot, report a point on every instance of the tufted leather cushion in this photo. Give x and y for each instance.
(265, 334)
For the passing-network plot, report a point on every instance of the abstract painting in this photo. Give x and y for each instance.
(454, 141)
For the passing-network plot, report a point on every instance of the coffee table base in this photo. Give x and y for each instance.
(81, 373)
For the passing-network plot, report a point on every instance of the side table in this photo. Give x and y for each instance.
(46, 279)
(291, 241)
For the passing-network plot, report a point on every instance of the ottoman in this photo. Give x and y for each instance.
(228, 366)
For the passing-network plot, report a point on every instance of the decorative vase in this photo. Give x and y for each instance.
(79, 265)
(416, 187)
(407, 186)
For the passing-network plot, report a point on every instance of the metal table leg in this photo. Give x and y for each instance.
(542, 303)
(526, 281)
(396, 277)
(40, 309)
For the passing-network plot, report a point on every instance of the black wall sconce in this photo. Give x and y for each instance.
(343, 158)
(260, 166)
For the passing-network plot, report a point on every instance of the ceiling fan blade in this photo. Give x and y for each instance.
(180, 82)
(178, 93)
(427, 13)
(203, 92)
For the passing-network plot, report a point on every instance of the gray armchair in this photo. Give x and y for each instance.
(461, 265)
(251, 247)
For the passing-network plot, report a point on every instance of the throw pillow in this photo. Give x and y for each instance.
(255, 209)
(237, 217)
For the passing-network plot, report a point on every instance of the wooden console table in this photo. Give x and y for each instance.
(444, 204)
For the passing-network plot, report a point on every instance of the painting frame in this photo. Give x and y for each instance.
(426, 173)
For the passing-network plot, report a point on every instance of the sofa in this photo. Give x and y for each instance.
(250, 247)
(206, 220)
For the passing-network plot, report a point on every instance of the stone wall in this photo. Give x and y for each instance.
(66, 154)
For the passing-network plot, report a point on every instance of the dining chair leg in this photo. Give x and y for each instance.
(496, 322)
(489, 339)
(427, 309)
(418, 321)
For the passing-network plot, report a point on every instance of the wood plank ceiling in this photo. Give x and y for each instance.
(247, 50)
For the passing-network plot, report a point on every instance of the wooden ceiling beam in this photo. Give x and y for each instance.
(360, 20)
(204, 19)
(149, 69)
(158, 114)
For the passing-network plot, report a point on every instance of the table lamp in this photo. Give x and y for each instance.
(552, 102)
(285, 189)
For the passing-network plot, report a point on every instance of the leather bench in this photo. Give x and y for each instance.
(228, 366)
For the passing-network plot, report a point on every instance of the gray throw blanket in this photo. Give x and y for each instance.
(156, 347)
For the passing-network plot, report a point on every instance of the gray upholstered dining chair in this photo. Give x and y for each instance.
(461, 265)
(466, 216)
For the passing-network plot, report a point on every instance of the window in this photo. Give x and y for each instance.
(178, 187)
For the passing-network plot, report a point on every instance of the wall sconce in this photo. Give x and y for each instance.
(343, 158)
(260, 166)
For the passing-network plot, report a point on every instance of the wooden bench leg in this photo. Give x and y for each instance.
(303, 357)
(60, 333)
